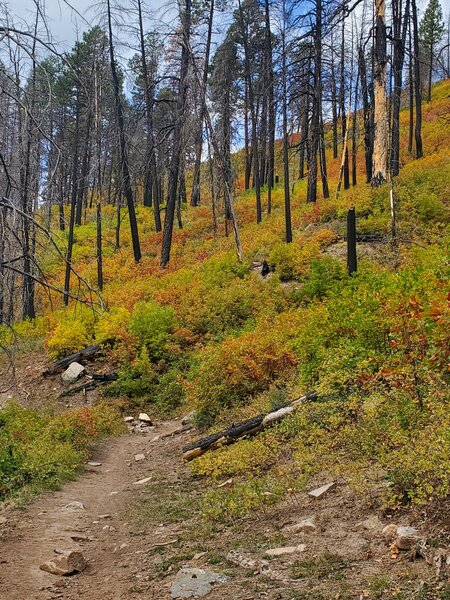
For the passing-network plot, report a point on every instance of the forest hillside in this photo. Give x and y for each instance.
(246, 299)
(214, 335)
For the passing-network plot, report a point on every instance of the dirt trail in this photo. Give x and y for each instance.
(31, 537)
(155, 529)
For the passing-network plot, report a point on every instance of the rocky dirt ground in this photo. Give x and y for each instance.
(136, 537)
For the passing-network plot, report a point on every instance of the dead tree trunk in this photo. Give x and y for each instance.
(244, 429)
(177, 137)
(195, 195)
(253, 115)
(417, 82)
(271, 108)
(379, 174)
(126, 180)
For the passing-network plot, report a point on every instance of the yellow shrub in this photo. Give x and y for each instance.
(72, 333)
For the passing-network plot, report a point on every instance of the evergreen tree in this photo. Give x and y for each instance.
(431, 29)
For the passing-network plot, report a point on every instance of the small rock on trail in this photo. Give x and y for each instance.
(144, 418)
(142, 481)
(195, 583)
(285, 550)
(65, 564)
(403, 538)
(303, 526)
(75, 505)
(319, 492)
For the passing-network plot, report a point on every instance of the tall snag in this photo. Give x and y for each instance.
(379, 159)
(316, 107)
(195, 195)
(253, 113)
(177, 135)
(126, 179)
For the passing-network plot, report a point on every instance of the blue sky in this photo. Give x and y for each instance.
(64, 23)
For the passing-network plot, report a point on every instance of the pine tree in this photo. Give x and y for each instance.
(431, 31)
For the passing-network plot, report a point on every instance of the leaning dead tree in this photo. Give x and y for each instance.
(246, 428)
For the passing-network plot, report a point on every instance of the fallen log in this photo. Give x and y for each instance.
(246, 428)
(87, 354)
(89, 385)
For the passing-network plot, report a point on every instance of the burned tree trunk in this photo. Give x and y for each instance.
(177, 138)
(379, 174)
(122, 146)
(195, 195)
(245, 428)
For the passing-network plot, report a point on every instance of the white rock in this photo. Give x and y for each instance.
(144, 418)
(406, 538)
(92, 463)
(302, 526)
(75, 505)
(142, 481)
(73, 372)
(285, 550)
(139, 457)
(187, 419)
(128, 419)
(195, 583)
(319, 492)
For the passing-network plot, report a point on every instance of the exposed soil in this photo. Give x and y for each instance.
(30, 537)
(25, 383)
(153, 530)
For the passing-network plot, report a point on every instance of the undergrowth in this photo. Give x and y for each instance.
(40, 452)
(210, 334)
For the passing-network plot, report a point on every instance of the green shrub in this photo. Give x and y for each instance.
(324, 274)
(170, 392)
(152, 325)
(42, 451)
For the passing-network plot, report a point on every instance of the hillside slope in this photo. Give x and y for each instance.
(212, 335)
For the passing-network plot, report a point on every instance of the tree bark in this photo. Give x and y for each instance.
(316, 107)
(287, 198)
(346, 171)
(379, 174)
(271, 108)
(195, 195)
(177, 137)
(74, 195)
(253, 115)
(122, 146)
(417, 83)
(399, 42)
